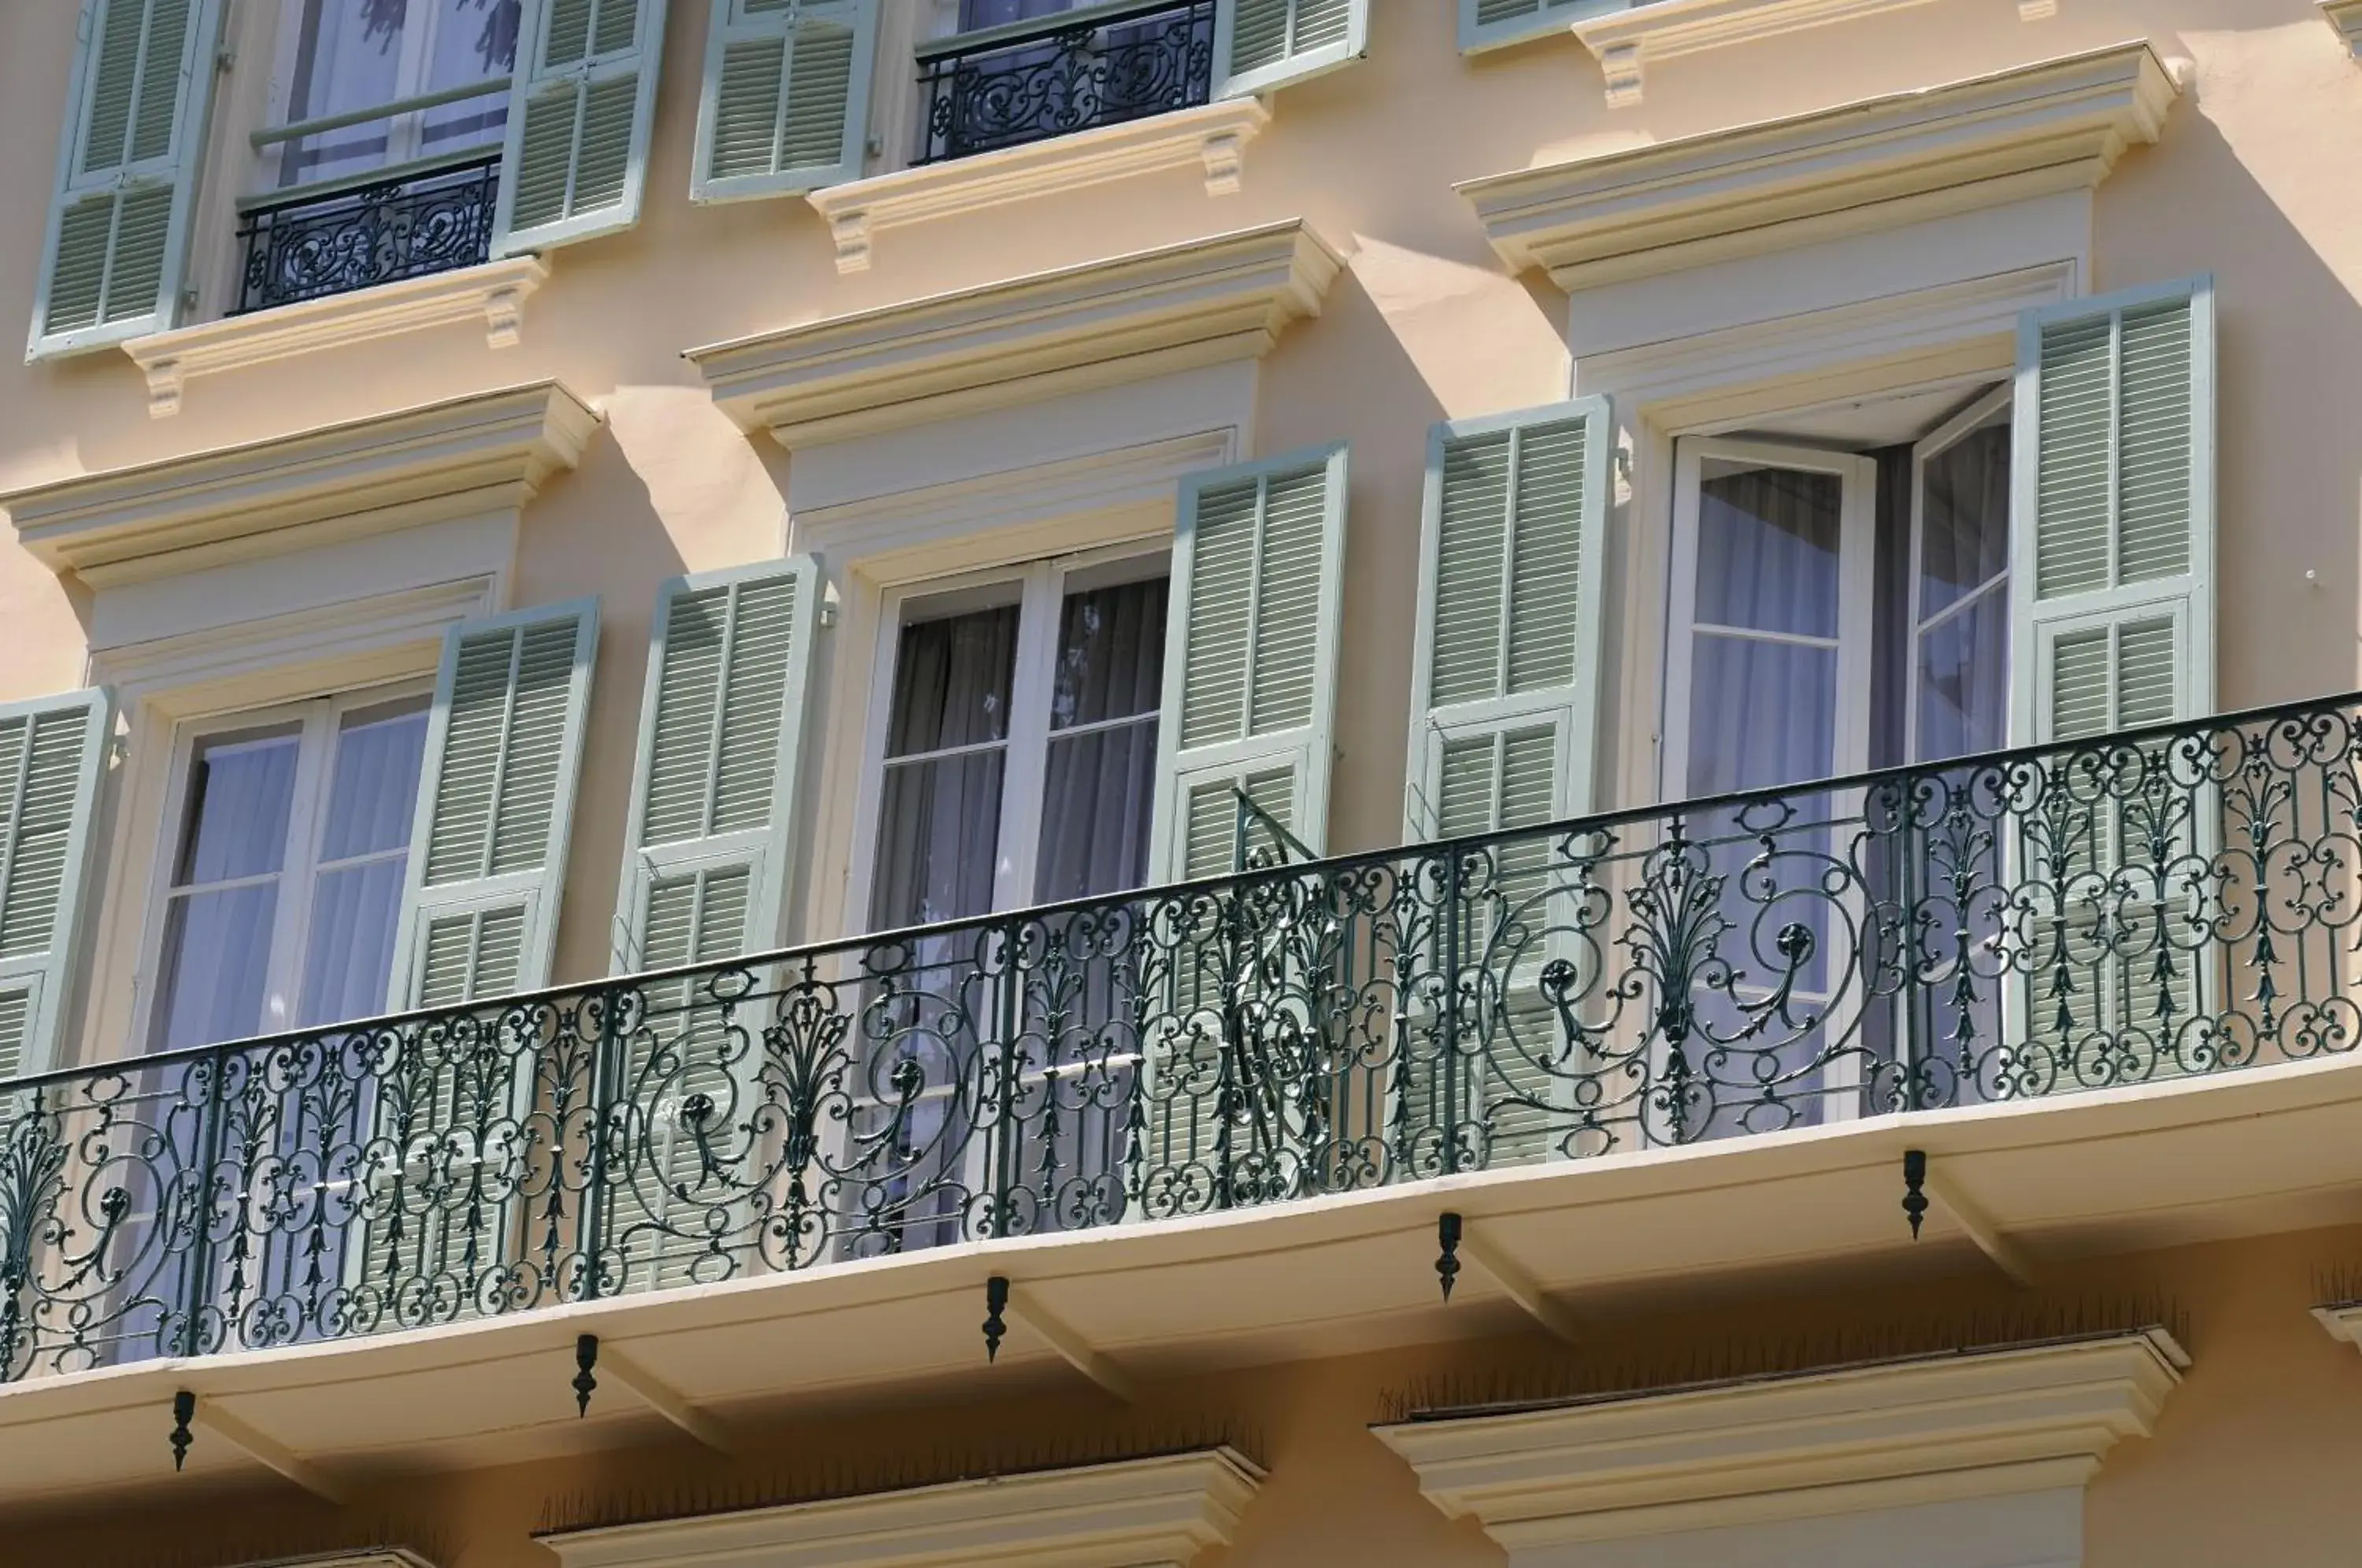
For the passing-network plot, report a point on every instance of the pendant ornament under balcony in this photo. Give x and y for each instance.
(1915, 1190)
(184, 1412)
(586, 1358)
(996, 1322)
(1447, 1260)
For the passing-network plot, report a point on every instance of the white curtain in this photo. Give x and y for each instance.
(216, 964)
(364, 851)
(1101, 783)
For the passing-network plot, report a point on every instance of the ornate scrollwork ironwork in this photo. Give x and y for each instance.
(309, 247)
(1015, 87)
(2128, 909)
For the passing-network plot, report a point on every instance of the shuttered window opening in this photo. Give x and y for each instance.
(787, 96)
(579, 111)
(127, 170)
(1263, 44)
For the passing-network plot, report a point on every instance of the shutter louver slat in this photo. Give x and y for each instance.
(1220, 612)
(763, 645)
(2077, 405)
(1263, 44)
(1475, 524)
(569, 33)
(785, 103)
(16, 1020)
(1487, 24)
(575, 160)
(753, 77)
(44, 831)
(619, 25)
(2145, 674)
(2152, 460)
(106, 140)
(159, 102)
(1545, 626)
(1287, 619)
(2078, 685)
(52, 757)
(535, 766)
(688, 699)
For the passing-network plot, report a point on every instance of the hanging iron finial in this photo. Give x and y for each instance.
(1914, 1181)
(1447, 1262)
(184, 1410)
(586, 1356)
(995, 1302)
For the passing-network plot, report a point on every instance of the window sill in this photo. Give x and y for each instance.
(493, 292)
(1626, 41)
(1213, 135)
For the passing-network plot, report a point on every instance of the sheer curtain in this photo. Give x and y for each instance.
(214, 971)
(350, 54)
(939, 815)
(1101, 770)
(1960, 665)
(364, 853)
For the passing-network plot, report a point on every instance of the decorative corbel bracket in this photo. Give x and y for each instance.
(851, 232)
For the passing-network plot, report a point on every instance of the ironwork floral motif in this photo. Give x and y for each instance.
(1145, 59)
(309, 247)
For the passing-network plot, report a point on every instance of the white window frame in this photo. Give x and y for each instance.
(1041, 589)
(321, 717)
(2001, 400)
(405, 133)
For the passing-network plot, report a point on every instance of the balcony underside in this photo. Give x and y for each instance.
(2274, 1149)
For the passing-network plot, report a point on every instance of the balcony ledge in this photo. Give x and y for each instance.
(1164, 1510)
(493, 292)
(468, 455)
(1992, 1423)
(2057, 125)
(1211, 135)
(1074, 330)
(2174, 1163)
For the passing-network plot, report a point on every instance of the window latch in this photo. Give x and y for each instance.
(225, 61)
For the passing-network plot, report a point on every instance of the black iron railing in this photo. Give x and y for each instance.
(2144, 907)
(1098, 65)
(309, 245)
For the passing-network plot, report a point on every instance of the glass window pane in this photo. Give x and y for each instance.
(1761, 714)
(216, 962)
(1111, 655)
(1964, 518)
(1963, 677)
(375, 788)
(474, 40)
(1096, 805)
(974, 13)
(1768, 549)
(349, 952)
(348, 56)
(938, 838)
(951, 682)
(240, 788)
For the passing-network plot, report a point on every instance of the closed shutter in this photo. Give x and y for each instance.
(496, 800)
(1489, 24)
(711, 823)
(579, 111)
(2112, 606)
(1263, 44)
(128, 162)
(786, 103)
(1504, 701)
(52, 755)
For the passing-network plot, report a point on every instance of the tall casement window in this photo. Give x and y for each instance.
(1019, 756)
(290, 850)
(342, 57)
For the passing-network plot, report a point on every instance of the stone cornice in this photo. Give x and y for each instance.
(1072, 330)
(1211, 136)
(1149, 1513)
(1974, 1424)
(469, 455)
(2057, 125)
(1626, 41)
(493, 293)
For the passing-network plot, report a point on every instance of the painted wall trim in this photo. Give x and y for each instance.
(1982, 1423)
(1626, 41)
(1211, 136)
(1128, 319)
(1146, 1513)
(2057, 125)
(466, 455)
(493, 293)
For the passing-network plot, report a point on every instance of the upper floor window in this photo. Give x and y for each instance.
(343, 57)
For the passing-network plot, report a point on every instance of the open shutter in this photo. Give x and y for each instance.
(1489, 24)
(127, 168)
(786, 105)
(580, 109)
(2113, 608)
(52, 755)
(1263, 44)
(1251, 658)
(495, 801)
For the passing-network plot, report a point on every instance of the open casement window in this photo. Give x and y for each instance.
(52, 756)
(705, 881)
(1489, 24)
(128, 162)
(1263, 44)
(785, 103)
(579, 110)
(1232, 1039)
(2112, 601)
(1505, 697)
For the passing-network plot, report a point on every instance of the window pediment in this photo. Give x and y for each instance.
(1071, 330)
(1148, 1513)
(486, 452)
(1864, 167)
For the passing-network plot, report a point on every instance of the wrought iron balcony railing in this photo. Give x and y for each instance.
(312, 243)
(2142, 907)
(1095, 65)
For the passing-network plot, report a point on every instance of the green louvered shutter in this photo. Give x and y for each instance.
(495, 803)
(1251, 658)
(1489, 24)
(785, 105)
(1504, 701)
(52, 755)
(127, 172)
(579, 111)
(704, 881)
(2113, 608)
(1263, 44)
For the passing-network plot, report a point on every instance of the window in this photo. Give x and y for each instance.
(344, 56)
(290, 844)
(1020, 752)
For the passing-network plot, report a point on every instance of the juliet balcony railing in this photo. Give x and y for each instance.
(1095, 65)
(2144, 907)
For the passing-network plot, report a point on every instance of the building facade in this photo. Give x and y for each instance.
(1214, 782)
